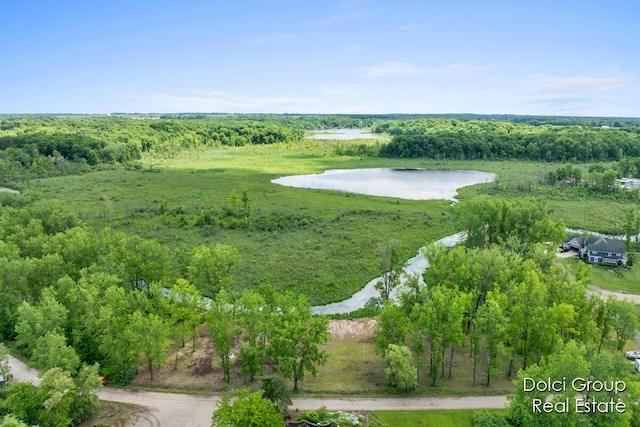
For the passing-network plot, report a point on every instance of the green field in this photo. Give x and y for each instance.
(323, 243)
(439, 418)
(610, 278)
(320, 243)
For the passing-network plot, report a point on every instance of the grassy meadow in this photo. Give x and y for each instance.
(318, 242)
(430, 418)
(610, 278)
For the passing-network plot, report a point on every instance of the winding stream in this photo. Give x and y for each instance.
(417, 264)
(8, 190)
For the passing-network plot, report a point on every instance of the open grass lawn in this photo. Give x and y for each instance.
(449, 418)
(610, 278)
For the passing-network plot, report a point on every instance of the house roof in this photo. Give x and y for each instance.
(596, 243)
(614, 246)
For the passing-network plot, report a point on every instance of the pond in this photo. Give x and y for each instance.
(412, 184)
(345, 134)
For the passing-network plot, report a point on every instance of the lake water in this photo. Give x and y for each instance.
(345, 134)
(412, 184)
(8, 190)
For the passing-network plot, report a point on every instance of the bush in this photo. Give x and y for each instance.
(489, 419)
(322, 417)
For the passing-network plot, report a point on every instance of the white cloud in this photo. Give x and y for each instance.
(397, 68)
(409, 27)
(582, 84)
(271, 38)
(345, 90)
(352, 15)
(217, 101)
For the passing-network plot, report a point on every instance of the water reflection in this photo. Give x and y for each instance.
(413, 184)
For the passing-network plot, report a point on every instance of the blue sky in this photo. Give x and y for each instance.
(354, 56)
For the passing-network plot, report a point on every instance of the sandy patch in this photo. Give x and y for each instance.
(358, 329)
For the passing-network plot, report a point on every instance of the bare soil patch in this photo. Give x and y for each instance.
(114, 414)
(358, 329)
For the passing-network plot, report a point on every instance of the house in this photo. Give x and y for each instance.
(597, 249)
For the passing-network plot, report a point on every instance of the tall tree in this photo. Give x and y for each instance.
(223, 330)
(295, 338)
(392, 327)
(391, 267)
(186, 308)
(150, 332)
(52, 351)
(491, 323)
(5, 367)
(252, 316)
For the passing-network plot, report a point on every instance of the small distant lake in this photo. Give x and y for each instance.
(345, 134)
(412, 184)
(8, 190)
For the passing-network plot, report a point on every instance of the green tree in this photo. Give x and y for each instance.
(223, 330)
(491, 323)
(274, 389)
(85, 401)
(295, 338)
(624, 322)
(252, 315)
(392, 327)
(5, 367)
(211, 268)
(11, 421)
(630, 225)
(186, 307)
(246, 409)
(150, 332)
(527, 316)
(23, 402)
(52, 351)
(46, 405)
(441, 319)
(400, 370)
(118, 344)
(391, 267)
(35, 321)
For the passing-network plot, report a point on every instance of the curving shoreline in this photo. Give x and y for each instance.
(416, 265)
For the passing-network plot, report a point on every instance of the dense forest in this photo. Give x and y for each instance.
(75, 301)
(487, 140)
(51, 146)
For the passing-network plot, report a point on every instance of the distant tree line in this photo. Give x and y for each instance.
(36, 147)
(478, 140)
